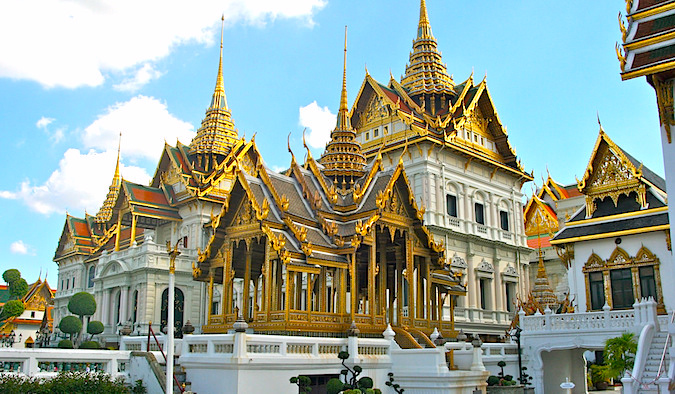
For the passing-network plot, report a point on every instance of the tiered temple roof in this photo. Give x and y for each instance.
(461, 117)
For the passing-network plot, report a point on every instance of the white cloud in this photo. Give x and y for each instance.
(145, 123)
(19, 247)
(54, 136)
(142, 76)
(43, 122)
(320, 121)
(84, 40)
(80, 183)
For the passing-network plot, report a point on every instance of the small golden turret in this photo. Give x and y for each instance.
(105, 213)
(343, 160)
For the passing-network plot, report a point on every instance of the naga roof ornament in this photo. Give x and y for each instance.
(426, 73)
(342, 159)
(217, 134)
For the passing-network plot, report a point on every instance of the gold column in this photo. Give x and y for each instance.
(210, 306)
(635, 277)
(372, 305)
(322, 300)
(608, 288)
(289, 284)
(117, 232)
(411, 269)
(354, 294)
(384, 301)
(428, 296)
(228, 280)
(247, 281)
(267, 289)
(132, 237)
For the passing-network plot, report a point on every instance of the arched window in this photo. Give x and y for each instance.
(178, 311)
(135, 312)
(92, 274)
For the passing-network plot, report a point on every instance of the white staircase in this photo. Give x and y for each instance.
(651, 370)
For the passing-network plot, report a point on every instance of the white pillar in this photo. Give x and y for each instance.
(124, 303)
(105, 312)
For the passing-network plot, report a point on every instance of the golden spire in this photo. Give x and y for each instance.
(342, 159)
(424, 28)
(105, 213)
(542, 291)
(217, 134)
(425, 72)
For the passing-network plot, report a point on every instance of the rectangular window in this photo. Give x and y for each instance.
(376, 132)
(647, 282)
(386, 129)
(622, 288)
(480, 218)
(482, 293)
(367, 136)
(510, 304)
(597, 290)
(504, 220)
(451, 205)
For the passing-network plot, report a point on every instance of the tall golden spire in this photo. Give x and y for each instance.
(105, 213)
(542, 291)
(217, 134)
(424, 28)
(342, 159)
(425, 72)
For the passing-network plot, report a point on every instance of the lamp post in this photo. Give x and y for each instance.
(515, 334)
(42, 336)
(8, 340)
(173, 253)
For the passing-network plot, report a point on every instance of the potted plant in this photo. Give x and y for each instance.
(600, 375)
(619, 354)
(503, 383)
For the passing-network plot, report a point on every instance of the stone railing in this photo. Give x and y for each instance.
(49, 362)
(607, 319)
(140, 344)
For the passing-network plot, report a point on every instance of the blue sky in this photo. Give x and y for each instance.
(75, 74)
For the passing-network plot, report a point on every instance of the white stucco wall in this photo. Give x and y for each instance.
(654, 241)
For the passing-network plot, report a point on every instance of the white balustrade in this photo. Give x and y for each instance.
(49, 362)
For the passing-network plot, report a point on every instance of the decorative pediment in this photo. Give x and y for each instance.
(610, 173)
(458, 262)
(485, 266)
(644, 255)
(245, 215)
(376, 109)
(395, 204)
(594, 262)
(539, 219)
(510, 271)
(618, 257)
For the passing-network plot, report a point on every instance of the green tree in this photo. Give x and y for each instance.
(82, 304)
(17, 285)
(70, 325)
(11, 275)
(18, 289)
(620, 353)
(12, 308)
(94, 327)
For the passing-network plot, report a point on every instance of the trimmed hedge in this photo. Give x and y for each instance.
(66, 382)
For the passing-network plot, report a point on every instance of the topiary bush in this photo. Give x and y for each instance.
(70, 325)
(95, 327)
(65, 344)
(82, 304)
(89, 345)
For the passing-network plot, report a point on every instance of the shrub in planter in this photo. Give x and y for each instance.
(89, 345)
(65, 344)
